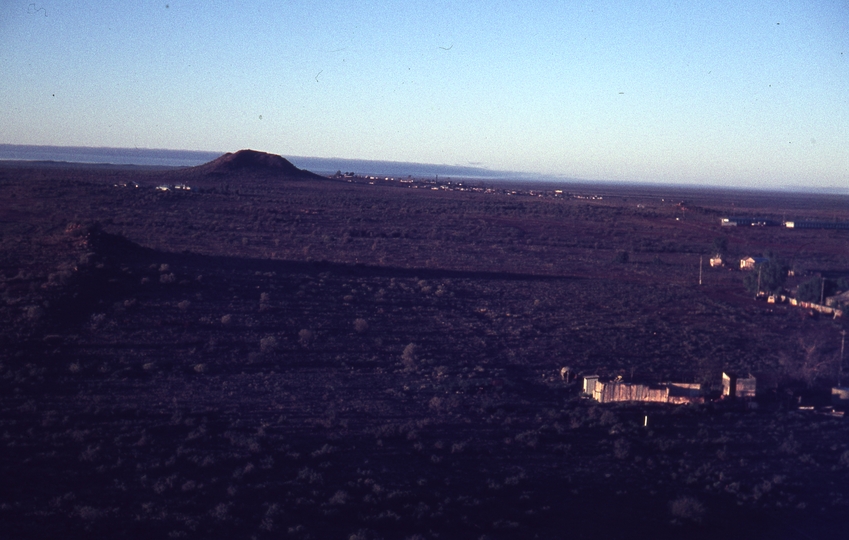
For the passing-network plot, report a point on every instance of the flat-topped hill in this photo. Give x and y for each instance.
(252, 163)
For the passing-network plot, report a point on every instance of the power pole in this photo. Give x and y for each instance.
(822, 290)
(759, 284)
(700, 268)
(840, 366)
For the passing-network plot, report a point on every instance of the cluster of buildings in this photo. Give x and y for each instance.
(734, 386)
(766, 222)
(617, 390)
(177, 187)
(472, 185)
(831, 304)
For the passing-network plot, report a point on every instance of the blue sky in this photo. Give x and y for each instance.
(752, 93)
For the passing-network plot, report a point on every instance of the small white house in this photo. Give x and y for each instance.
(749, 263)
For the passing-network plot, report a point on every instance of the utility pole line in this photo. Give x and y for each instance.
(700, 268)
(840, 366)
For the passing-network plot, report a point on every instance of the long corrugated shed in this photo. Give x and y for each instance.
(610, 392)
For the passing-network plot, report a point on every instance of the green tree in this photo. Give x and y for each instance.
(771, 275)
(720, 245)
(621, 257)
(815, 289)
(809, 291)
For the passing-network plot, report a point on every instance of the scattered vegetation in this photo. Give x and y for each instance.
(378, 362)
(768, 276)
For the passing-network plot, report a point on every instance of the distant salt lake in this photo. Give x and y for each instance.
(115, 156)
(190, 158)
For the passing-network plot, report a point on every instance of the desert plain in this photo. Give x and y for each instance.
(276, 354)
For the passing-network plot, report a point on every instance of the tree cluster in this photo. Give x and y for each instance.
(768, 276)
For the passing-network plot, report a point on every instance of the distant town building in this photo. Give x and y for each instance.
(716, 260)
(816, 225)
(747, 222)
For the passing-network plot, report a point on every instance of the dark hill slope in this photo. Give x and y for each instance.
(254, 164)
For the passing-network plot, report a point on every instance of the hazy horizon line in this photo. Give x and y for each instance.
(189, 158)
